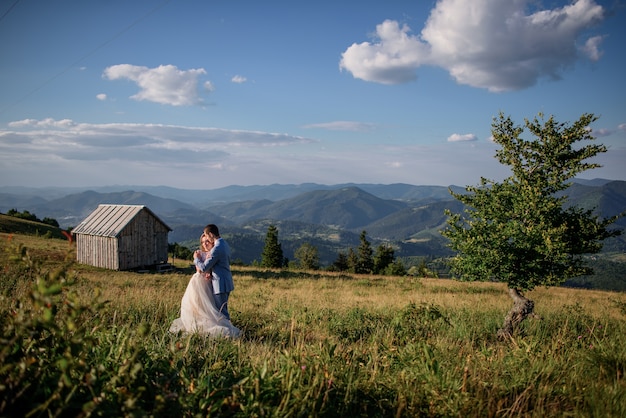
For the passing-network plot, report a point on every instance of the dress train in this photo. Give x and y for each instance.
(198, 312)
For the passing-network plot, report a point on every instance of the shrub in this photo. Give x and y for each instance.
(55, 361)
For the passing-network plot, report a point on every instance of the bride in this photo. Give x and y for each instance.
(198, 312)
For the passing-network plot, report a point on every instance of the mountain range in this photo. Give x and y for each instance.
(329, 217)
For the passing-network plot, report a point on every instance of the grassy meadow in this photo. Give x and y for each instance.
(81, 341)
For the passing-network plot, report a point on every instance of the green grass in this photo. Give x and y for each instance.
(11, 224)
(78, 340)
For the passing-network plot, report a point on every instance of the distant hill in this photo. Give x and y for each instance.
(414, 221)
(71, 209)
(331, 218)
(407, 216)
(211, 197)
(608, 199)
(345, 208)
(10, 201)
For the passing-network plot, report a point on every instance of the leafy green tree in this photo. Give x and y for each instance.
(520, 231)
(23, 215)
(50, 221)
(421, 270)
(385, 256)
(179, 251)
(272, 255)
(365, 260)
(396, 268)
(308, 257)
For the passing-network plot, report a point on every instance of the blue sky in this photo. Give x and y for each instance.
(204, 94)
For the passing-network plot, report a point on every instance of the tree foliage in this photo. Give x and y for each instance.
(308, 257)
(422, 270)
(396, 268)
(365, 256)
(384, 257)
(519, 231)
(179, 251)
(353, 260)
(340, 263)
(272, 255)
(362, 260)
(32, 217)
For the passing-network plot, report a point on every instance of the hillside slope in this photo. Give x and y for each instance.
(13, 225)
(345, 208)
(409, 217)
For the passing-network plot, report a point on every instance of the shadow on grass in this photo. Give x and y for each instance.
(289, 274)
(274, 274)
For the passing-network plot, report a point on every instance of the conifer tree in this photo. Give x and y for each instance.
(353, 260)
(365, 260)
(341, 262)
(385, 256)
(272, 256)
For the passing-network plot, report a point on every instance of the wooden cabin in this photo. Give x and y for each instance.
(122, 237)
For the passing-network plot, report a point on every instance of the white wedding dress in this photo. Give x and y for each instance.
(198, 312)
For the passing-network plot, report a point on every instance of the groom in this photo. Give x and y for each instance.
(218, 263)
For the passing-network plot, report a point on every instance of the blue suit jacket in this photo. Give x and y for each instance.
(218, 261)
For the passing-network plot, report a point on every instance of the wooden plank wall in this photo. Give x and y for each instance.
(97, 251)
(141, 243)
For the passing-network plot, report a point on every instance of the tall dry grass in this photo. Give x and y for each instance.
(318, 344)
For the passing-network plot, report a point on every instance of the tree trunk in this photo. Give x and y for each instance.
(522, 308)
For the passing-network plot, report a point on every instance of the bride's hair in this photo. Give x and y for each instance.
(204, 239)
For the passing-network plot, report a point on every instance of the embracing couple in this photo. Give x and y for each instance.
(204, 307)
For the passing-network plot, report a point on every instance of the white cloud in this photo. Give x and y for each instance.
(592, 48)
(43, 123)
(392, 59)
(53, 152)
(602, 132)
(101, 96)
(239, 79)
(67, 140)
(165, 84)
(462, 138)
(342, 125)
(395, 164)
(492, 44)
(48, 152)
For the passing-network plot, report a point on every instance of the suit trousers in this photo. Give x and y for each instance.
(221, 301)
